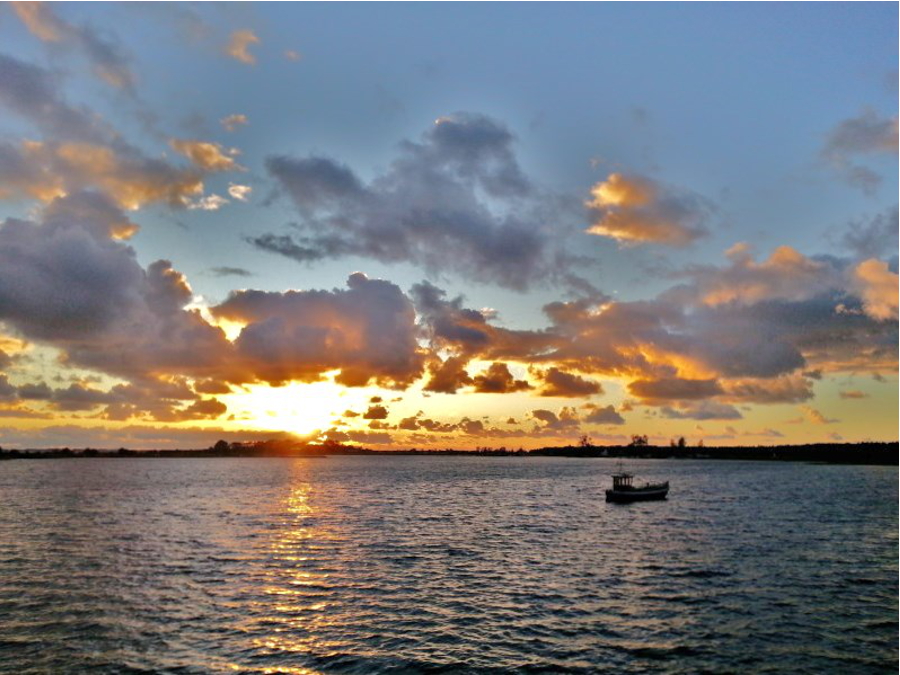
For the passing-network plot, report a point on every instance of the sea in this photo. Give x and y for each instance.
(445, 564)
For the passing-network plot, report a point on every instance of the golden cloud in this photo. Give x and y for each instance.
(207, 156)
(878, 287)
(239, 46)
(636, 209)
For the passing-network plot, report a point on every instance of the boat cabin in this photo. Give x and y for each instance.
(622, 481)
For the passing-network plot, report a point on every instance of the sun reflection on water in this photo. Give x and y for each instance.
(299, 610)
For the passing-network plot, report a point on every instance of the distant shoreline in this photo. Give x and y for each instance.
(884, 454)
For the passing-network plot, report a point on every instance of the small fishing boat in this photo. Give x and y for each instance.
(624, 490)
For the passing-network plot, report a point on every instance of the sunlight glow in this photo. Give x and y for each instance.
(299, 408)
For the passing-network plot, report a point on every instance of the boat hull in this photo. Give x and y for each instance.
(647, 494)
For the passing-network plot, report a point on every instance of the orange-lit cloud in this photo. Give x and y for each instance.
(367, 331)
(498, 380)
(877, 286)
(560, 383)
(46, 170)
(635, 209)
(207, 156)
(239, 45)
(787, 274)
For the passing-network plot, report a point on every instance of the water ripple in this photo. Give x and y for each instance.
(443, 565)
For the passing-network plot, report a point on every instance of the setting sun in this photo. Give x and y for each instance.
(298, 408)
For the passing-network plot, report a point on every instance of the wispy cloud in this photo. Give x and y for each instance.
(867, 134)
(106, 56)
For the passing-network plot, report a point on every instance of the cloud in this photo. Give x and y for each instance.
(704, 410)
(79, 151)
(376, 412)
(874, 237)
(786, 274)
(292, 55)
(232, 122)
(206, 408)
(815, 416)
(868, 134)
(230, 272)
(498, 380)
(92, 210)
(238, 46)
(33, 93)
(566, 421)
(786, 389)
(239, 192)
(674, 388)
(448, 376)
(603, 415)
(106, 56)
(367, 331)
(369, 437)
(448, 326)
(560, 383)
(636, 209)
(65, 282)
(207, 156)
(206, 203)
(853, 394)
(877, 286)
(49, 170)
(455, 201)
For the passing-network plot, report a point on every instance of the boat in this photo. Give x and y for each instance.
(624, 490)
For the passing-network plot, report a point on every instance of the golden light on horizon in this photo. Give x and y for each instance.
(299, 408)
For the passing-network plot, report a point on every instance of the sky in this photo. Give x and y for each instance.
(448, 225)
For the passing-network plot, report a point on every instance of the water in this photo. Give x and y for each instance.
(444, 564)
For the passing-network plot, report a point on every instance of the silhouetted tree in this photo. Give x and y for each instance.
(638, 441)
(681, 442)
(221, 446)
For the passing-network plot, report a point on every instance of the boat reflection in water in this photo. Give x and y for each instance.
(624, 491)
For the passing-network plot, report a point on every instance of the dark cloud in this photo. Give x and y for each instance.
(230, 272)
(206, 408)
(675, 388)
(455, 201)
(38, 391)
(566, 421)
(498, 380)
(872, 238)
(560, 383)
(868, 134)
(65, 282)
(448, 376)
(603, 415)
(32, 93)
(8, 391)
(788, 389)
(367, 331)
(376, 412)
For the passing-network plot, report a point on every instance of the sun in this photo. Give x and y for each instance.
(299, 408)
